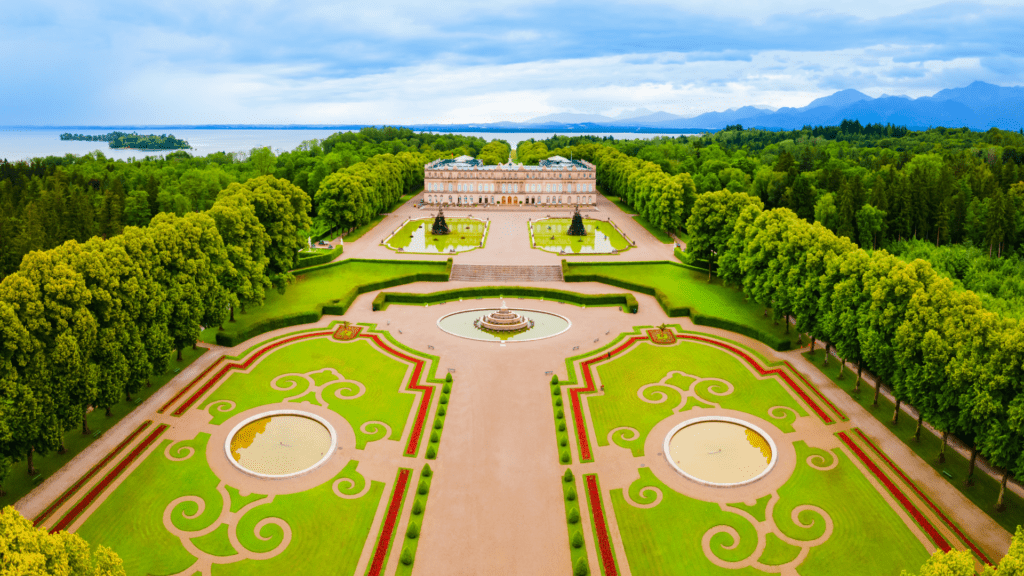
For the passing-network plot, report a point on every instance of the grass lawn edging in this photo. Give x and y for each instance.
(628, 301)
(671, 310)
(336, 306)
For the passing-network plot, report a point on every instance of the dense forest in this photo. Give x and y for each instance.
(132, 141)
(882, 186)
(47, 201)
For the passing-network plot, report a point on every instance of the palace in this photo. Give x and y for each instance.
(466, 181)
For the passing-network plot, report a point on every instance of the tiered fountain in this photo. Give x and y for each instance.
(504, 320)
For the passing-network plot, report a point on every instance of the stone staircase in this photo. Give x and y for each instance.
(506, 274)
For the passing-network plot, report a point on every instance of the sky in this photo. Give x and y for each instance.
(114, 62)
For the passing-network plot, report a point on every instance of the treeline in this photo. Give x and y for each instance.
(353, 196)
(935, 345)
(48, 201)
(87, 323)
(877, 185)
(998, 281)
(134, 140)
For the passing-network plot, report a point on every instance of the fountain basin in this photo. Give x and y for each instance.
(280, 444)
(720, 451)
(465, 325)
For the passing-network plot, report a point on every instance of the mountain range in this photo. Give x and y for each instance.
(979, 106)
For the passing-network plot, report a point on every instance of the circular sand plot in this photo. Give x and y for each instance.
(280, 444)
(720, 451)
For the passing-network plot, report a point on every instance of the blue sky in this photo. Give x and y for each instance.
(171, 62)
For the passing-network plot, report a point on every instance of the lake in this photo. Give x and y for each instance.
(24, 143)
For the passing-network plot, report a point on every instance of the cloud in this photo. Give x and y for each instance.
(267, 61)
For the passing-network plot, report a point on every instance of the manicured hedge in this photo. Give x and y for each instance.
(337, 306)
(386, 298)
(317, 259)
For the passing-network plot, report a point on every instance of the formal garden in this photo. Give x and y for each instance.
(185, 507)
(828, 494)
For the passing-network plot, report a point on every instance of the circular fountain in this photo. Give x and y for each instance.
(720, 451)
(280, 444)
(503, 325)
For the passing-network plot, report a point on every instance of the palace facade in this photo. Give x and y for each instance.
(465, 181)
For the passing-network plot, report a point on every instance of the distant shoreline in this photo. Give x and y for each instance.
(561, 129)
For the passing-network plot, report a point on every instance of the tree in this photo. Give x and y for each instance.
(952, 563)
(998, 402)
(148, 307)
(65, 333)
(495, 152)
(802, 198)
(136, 208)
(246, 242)
(826, 213)
(283, 210)
(30, 550)
(712, 221)
(870, 221)
(188, 275)
(841, 306)
(263, 160)
(767, 257)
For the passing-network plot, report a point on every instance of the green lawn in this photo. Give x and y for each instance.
(320, 286)
(622, 378)
(326, 529)
(869, 537)
(357, 360)
(709, 303)
(985, 490)
(551, 235)
(18, 483)
(415, 236)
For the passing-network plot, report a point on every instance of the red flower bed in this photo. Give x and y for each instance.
(604, 545)
(100, 486)
(921, 495)
(388, 530)
(897, 493)
(88, 475)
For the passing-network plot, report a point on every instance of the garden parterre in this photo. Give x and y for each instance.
(829, 496)
(180, 505)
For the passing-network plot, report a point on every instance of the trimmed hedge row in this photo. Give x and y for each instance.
(384, 299)
(316, 260)
(336, 306)
(675, 311)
